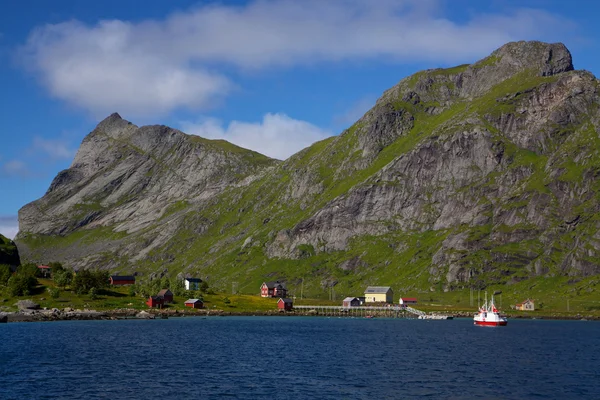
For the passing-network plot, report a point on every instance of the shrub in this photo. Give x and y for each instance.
(54, 293)
(93, 293)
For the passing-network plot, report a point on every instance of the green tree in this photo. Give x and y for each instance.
(203, 287)
(21, 284)
(5, 274)
(93, 293)
(86, 279)
(178, 288)
(133, 289)
(28, 269)
(62, 278)
(56, 267)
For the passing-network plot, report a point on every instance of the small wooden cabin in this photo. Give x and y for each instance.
(194, 303)
(285, 304)
(155, 302)
(350, 302)
(405, 301)
(167, 295)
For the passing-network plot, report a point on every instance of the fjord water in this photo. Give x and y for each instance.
(299, 358)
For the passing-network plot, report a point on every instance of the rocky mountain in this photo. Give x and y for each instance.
(9, 254)
(460, 177)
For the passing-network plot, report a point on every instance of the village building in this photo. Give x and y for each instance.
(527, 305)
(273, 289)
(166, 295)
(350, 302)
(155, 302)
(379, 294)
(192, 283)
(406, 301)
(285, 304)
(119, 280)
(44, 271)
(194, 303)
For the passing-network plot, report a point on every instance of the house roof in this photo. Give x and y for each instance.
(43, 267)
(156, 298)
(377, 289)
(198, 280)
(192, 301)
(274, 284)
(409, 298)
(122, 277)
(526, 301)
(286, 300)
(349, 299)
(165, 291)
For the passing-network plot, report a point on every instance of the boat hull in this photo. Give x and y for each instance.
(490, 323)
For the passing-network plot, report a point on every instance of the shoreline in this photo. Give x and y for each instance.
(69, 314)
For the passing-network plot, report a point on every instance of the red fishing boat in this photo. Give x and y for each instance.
(489, 315)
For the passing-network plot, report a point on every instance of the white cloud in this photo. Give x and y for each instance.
(155, 66)
(277, 136)
(15, 168)
(55, 149)
(9, 226)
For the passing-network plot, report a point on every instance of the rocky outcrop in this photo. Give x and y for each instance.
(478, 174)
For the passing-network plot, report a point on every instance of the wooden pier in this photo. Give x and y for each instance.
(360, 311)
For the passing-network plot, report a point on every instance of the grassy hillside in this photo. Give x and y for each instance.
(516, 158)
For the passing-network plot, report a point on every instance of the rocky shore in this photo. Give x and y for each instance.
(68, 314)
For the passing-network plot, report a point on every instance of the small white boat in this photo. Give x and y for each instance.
(435, 316)
(489, 315)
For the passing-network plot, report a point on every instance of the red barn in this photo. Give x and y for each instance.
(273, 289)
(166, 295)
(116, 280)
(285, 304)
(194, 303)
(155, 302)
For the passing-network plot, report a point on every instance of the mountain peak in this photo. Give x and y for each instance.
(546, 58)
(114, 125)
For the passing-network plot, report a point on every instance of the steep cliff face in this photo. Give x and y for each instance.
(457, 177)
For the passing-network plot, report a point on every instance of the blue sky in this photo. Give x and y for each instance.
(274, 76)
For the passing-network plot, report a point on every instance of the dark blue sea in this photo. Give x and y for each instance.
(299, 358)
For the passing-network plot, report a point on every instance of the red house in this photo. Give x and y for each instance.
(285, 304)
(194, 303)
(155, 302)
(404, 301)
(116, 280)
(273, 289)
(166, 295)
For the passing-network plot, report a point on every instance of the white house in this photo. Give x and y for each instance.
(192, 283)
